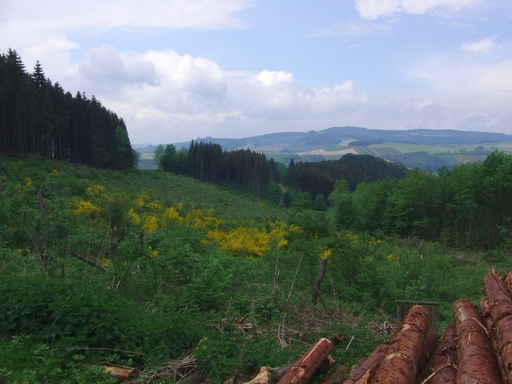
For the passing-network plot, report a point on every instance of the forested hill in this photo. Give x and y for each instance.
(38, 116)
(320, 177)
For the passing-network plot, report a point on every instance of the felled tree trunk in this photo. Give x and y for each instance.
(401, 363)
(308, 364)
(497, 312)
(337, 375)
(441, 367)
(477, 363)
(429, 345)
(264, 376)
(121, 373)
(366, 370)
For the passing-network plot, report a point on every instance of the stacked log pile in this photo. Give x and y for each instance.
(473, 349)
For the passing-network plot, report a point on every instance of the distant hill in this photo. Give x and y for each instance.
(423, 148)
(332, 137)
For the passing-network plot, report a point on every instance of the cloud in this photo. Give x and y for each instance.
(453, 74)
(484, 45)
(353, 29)
(108, 69)
(373, 9)
(49, 30)
(184, 97)
(106, 14)
(163, 93)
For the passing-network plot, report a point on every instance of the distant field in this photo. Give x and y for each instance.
(409, 147)
(270, 146)
(378, 151)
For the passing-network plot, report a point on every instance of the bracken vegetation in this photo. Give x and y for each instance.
(138, 268)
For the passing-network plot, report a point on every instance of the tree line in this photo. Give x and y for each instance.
(468, 206)
(208, 162)
(318, 178)
(38, 116)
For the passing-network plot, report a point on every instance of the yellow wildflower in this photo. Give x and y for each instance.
(153, 253)
(326, 252)
(150, 223)
(171, 214)
(84, 208)
(393, 259)
(105, 262)
(96, 190)
(133, 217)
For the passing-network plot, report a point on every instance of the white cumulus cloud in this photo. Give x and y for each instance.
(484, 45)
(162, 93)
(353, 29)
(105, 14)
(373, 9)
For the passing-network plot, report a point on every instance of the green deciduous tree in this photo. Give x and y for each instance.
(344, 209)
(168, 160)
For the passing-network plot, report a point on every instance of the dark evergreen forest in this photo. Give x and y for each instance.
(318, 178)
(208, 162)
(38, 116)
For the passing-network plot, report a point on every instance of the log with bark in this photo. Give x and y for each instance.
(121, 374)
(264, 376)
(308, 364)
(508, 282)
(477, 362)
(368, 366)
(401, 363)
(497, 312)
(337, 375)
(442, 366)
(429, 345)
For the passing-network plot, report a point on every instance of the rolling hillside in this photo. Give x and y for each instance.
(423, 148)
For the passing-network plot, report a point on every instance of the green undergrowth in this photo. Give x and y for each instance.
(176, 267)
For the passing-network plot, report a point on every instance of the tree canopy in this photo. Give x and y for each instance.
(38, 116)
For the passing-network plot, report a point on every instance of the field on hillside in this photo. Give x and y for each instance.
(449, 156)
(140, 268)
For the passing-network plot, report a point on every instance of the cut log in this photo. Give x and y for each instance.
(264, 376)
(401, 363)
(429, 345)
(497, 312)
(477, 362)
(121, 373)
(508, 282)
(308, 364)
(441, 368)
(366, 370)
(337, 375)
(326, 365)
(499, 297)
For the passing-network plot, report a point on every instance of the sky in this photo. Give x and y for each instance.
(177, 70)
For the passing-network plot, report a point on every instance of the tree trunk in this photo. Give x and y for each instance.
(319, 279)
(368, 367)
(308, 364)
(401, 363)
(441, 367)
(121, 373)
(497, 312)
(264, 376)
(337, 375)
(477, 363)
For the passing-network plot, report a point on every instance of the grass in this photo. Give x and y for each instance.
(161, 280)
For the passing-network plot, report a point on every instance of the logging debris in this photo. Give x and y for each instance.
(474, 348)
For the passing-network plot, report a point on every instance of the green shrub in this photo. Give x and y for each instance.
(84, 315)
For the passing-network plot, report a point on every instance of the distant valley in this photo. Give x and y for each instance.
(422, 148)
